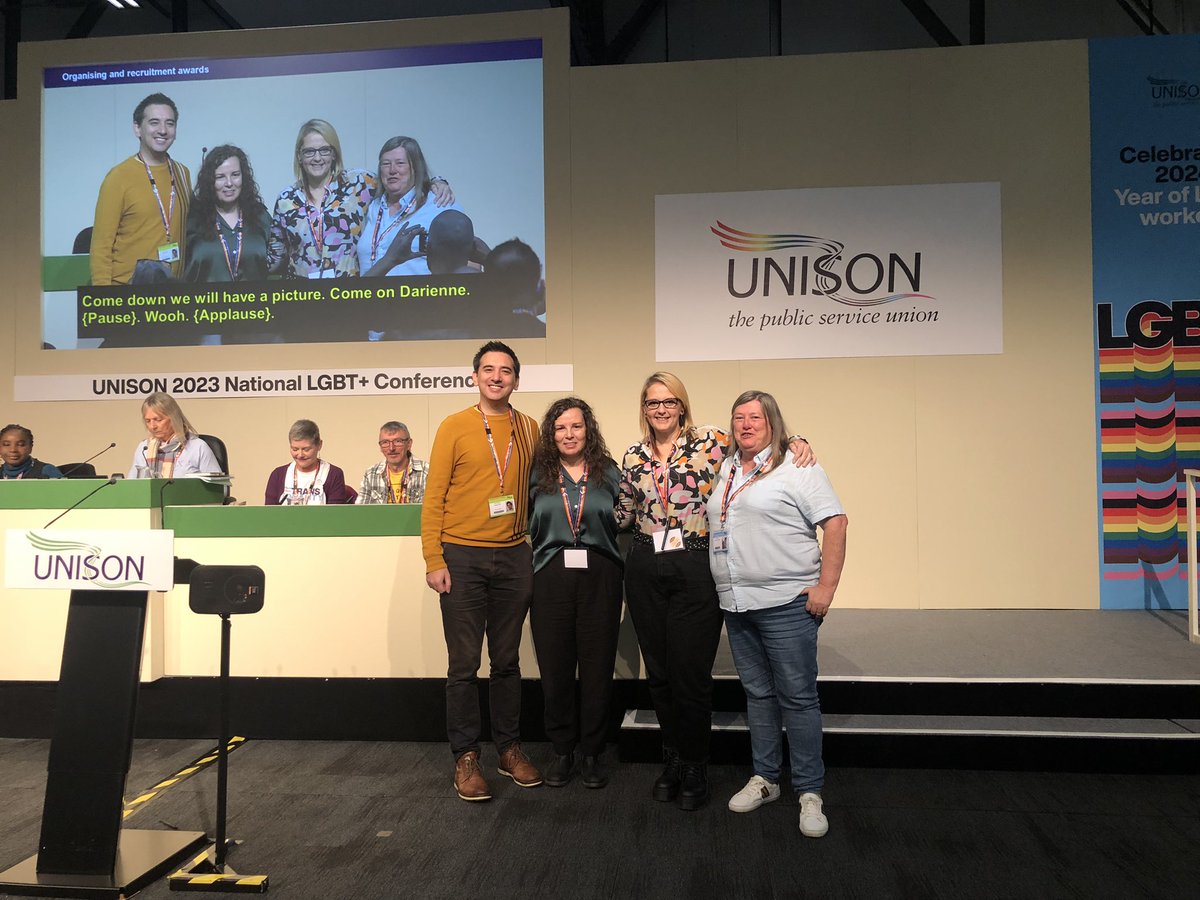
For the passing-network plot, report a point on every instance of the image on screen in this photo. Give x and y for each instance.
(377, 195)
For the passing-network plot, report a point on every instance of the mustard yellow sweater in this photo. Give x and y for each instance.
(129, 225)
(462, 478)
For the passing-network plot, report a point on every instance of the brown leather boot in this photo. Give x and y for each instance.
(468, 778)
(516, 765)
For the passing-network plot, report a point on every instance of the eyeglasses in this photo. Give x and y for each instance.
(314, 152)
(669, 404)
(398, 442)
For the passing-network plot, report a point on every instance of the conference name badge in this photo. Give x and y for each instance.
(505, 505)
(719, 542)
(574, 558)
(667, 539)
(169, 253)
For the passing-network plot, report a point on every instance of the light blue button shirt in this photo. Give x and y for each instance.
(771, 529)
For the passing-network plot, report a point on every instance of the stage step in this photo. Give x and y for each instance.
(1037, 743)
(998, 726)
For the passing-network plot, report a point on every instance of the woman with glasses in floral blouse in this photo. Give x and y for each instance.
(319, 218)
(667, 477)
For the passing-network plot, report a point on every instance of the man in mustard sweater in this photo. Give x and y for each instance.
(143, 201)
(473, 526)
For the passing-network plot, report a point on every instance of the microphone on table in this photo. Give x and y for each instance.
(111, 480)
(72, 468)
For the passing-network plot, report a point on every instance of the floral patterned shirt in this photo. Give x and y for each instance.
(323, 240)
(689, 477)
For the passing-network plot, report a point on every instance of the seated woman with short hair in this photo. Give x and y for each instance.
(308, 480)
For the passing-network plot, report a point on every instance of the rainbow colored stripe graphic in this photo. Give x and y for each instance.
(1149, 433)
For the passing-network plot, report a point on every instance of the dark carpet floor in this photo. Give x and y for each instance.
(380, 820)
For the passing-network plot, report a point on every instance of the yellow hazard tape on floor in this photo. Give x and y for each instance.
(199, 765)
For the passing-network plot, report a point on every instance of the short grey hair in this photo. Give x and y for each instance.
(304, 430)
(394, 426)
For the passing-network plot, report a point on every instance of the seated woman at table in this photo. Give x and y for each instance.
(228, 226)
(307, 480)
(16, 450)
(173, 447)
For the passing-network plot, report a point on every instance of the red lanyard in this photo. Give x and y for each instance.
(165, 213)
(577, 521)
(663, 490)
(316, 225)
(507, 456)
(391, 497)
(237, 257)
(727, 499)
(376, 237)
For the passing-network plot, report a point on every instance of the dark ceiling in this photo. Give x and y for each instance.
(609, 32)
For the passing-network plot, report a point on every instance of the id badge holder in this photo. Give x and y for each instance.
(575, 558)
(719, 542)
(505, 505)
(667, 540)
(169, 253)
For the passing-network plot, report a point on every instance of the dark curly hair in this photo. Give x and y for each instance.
(545, 458)
(205, 204)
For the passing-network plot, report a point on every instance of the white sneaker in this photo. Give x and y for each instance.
(813, 823)
(756, 792)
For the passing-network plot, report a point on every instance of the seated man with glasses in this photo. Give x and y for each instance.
(398, 477)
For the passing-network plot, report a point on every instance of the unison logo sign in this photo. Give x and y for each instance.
(900, 270)
(90, 560)
(55, 560)
(826, 271)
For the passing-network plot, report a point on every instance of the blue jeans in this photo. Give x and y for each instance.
(775, 651)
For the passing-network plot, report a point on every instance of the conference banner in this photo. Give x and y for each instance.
(351, 381)
(908, 270)
(1145, 118)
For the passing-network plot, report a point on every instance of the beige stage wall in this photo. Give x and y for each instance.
(969, 480)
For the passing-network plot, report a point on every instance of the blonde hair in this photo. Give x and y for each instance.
(164, 404)
(325, 130)
(675, 386)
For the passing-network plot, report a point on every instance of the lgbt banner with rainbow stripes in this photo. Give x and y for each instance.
(1145, 118)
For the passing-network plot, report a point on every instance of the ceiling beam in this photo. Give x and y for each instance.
(932, 24)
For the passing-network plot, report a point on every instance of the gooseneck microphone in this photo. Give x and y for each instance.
(88, 460)
(111, 480)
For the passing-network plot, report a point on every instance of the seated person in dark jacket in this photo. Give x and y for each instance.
(16, 449)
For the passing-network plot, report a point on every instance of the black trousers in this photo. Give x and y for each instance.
(575, 617)
(675, 610)
(490, 591)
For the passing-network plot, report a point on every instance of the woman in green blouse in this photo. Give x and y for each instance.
(228, 226)
(576, 611)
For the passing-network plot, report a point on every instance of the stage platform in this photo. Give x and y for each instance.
(1093, 689)
(1111, 690)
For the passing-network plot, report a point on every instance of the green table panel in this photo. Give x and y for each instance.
(147, 493)
(65, 273)
(293, 521)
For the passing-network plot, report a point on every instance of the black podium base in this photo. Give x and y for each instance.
(142, 856)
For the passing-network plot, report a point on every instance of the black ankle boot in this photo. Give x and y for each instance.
(667, 785)
(594, 775)
(559, 772)
(693, 788)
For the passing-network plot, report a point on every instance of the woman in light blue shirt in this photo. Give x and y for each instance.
(775, 584)
(404, 207)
